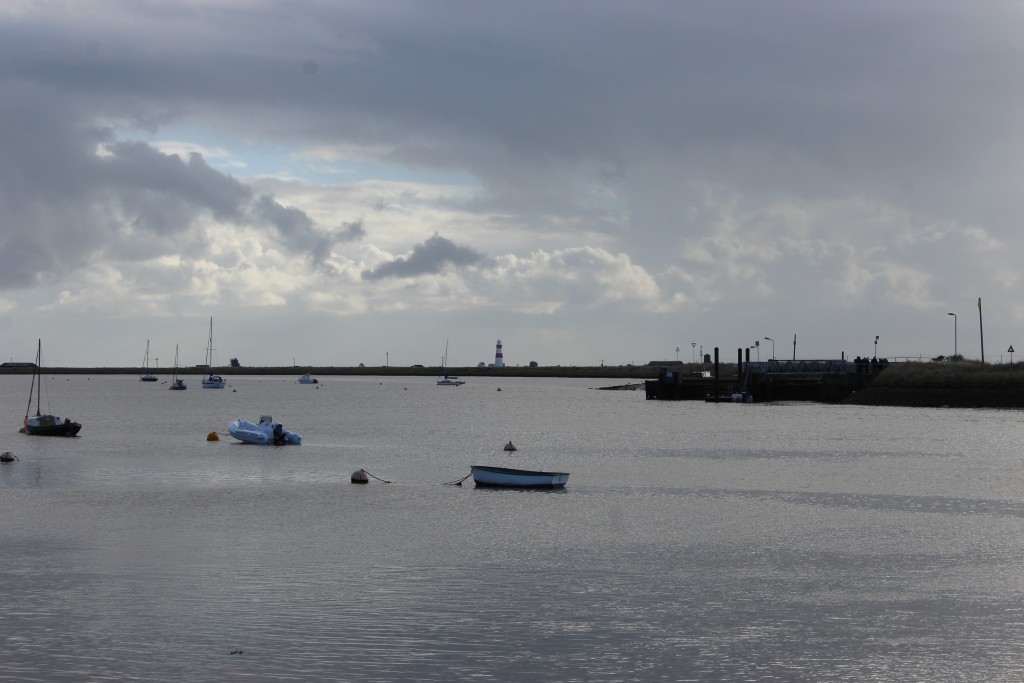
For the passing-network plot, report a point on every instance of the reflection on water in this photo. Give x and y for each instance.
(694, 541)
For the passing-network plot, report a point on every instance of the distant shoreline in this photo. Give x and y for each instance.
(568, 371)
(921, 385)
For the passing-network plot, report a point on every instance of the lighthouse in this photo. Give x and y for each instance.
(499, 359)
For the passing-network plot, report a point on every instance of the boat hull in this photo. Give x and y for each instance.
(484, 475)
(148, 378)
(262, 434)
(41, 426)
(213, 382)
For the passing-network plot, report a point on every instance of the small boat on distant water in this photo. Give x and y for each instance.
(308, 379)
(39, 424)
(176, 383)
(148, 377)
(485, 475)
(448, 380)
(211, 381)
(265, 433)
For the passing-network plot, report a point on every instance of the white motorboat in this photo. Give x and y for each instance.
(308, 379)
(485, 475)
(264, 433)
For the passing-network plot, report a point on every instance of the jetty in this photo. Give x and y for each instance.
(828, 381)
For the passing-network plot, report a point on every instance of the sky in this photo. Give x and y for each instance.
(592, 182)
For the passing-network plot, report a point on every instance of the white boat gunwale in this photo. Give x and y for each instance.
(510, 477)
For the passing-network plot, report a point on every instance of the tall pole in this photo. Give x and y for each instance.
(794, 347)
(876, 346)
(981, 327)
(693, 352)
(773, 346)
(954, 334)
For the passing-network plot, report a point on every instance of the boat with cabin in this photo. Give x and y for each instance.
(211, 381)
(448, 380)
(177, 384)
(148, 376)
(40, 424)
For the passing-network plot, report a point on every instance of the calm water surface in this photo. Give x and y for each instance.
(774, 542)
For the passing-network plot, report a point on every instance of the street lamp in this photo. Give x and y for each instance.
(876, 346)
(773, 346)
(693, 352)
(677, 354)
(954, 334)
(757, 345)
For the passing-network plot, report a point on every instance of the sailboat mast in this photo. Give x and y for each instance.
(36, 380)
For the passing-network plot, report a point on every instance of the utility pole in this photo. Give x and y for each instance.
(794, 347)
(982, 328)
(954, 335)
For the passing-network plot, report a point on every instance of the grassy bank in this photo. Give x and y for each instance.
(960, 385)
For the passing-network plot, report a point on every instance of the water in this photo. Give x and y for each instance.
(785, 542)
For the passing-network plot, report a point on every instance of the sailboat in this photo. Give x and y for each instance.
(145, 363)
(177, 384)
(447, 380)
(211, 381)
(39, 424)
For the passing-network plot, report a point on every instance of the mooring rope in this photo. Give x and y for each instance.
(376, 477)
(458, 482)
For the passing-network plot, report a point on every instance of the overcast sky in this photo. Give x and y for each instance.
(338, 183)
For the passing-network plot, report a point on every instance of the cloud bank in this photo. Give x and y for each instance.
(587, 181)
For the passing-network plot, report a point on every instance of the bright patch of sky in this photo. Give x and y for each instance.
(245, 157)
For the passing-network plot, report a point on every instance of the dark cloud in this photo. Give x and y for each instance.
(70, 194)
(352, 232)
(300, 233)
(426, 258)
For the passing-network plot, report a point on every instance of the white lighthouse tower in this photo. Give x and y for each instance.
(499, 359)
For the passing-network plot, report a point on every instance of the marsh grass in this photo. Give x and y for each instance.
(951, 375)
(962, 384)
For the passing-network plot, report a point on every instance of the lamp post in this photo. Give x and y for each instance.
(954, 334)
(773, 346)
(693, 352)
(677, 355)
(757, 345)
(876, 346)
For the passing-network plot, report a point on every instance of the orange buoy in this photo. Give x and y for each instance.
(212, 436)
